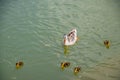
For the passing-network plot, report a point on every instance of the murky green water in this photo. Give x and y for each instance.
(32, 31)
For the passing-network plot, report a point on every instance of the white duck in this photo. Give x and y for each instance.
(71, 38)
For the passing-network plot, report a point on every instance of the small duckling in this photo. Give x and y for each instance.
(65, 64)
(107, 43)
(19, 65)
(76, 70)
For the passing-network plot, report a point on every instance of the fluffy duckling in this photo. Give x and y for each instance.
(76, 70)
(65, 64)
(107, 43)
(19, 65)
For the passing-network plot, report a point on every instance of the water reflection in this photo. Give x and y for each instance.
(66, 49)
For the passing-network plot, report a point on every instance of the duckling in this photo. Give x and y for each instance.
(19, 65)
(65, 64)
(107, 43)
(76, 70)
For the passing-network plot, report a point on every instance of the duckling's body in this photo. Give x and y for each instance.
(77, 69)
(19, 64)
(107, 43)
(65, 64)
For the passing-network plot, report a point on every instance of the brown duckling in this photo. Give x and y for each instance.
(107, 43)
(19, 64)
(76, 70)
(65, 64)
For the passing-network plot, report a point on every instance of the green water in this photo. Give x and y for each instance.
(32, 31)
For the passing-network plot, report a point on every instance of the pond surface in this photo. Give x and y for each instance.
(32, 31)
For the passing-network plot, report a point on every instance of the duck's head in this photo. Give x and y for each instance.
(65, 38)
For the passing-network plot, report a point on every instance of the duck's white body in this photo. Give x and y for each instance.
(70, 38)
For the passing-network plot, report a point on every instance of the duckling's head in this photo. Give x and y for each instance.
(107, 43)
(19, 65)
(65, 64)
(62, 65)
(76, 70)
